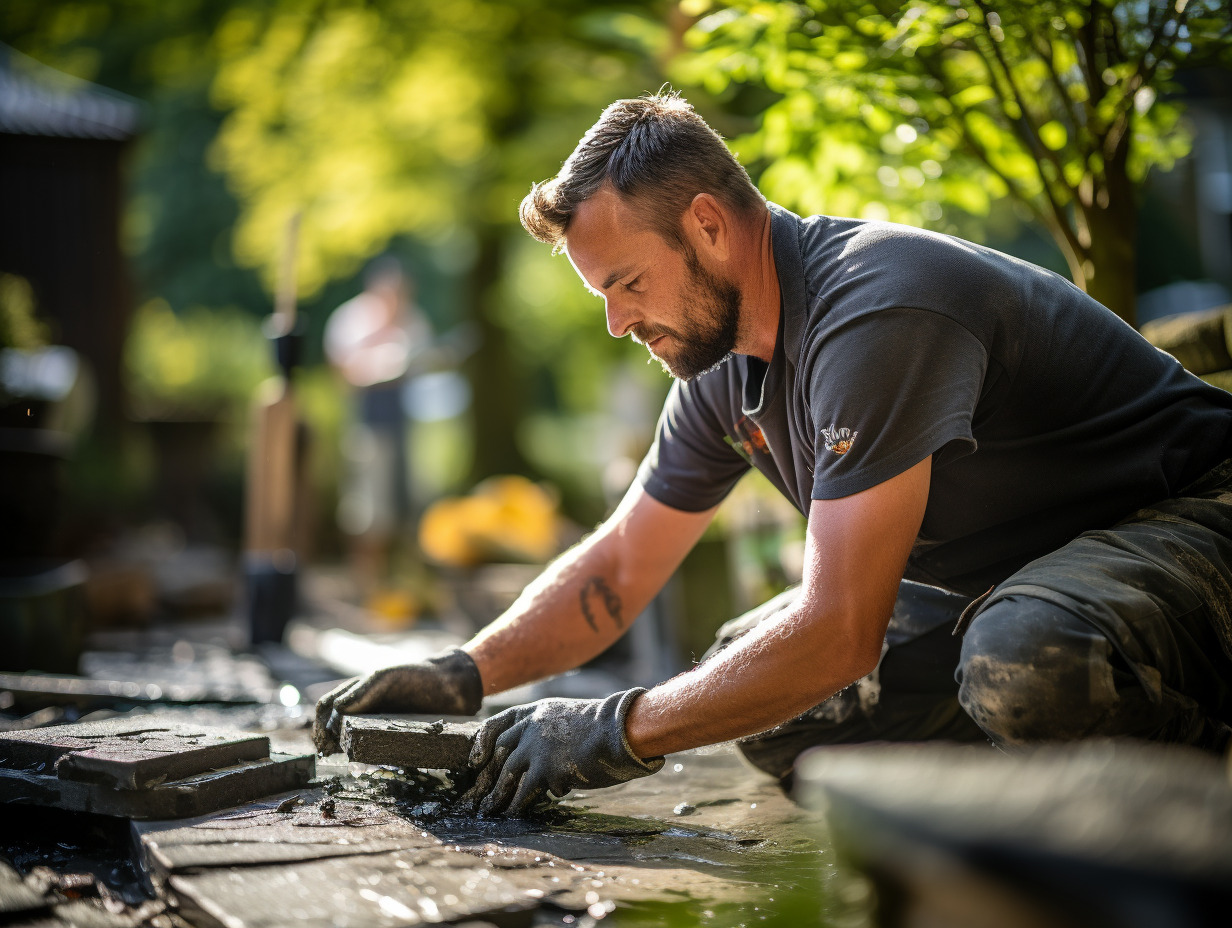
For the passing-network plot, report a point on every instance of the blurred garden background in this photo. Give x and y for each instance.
(152, 154)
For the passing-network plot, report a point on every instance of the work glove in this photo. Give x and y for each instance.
(553, 746)
(447, 684)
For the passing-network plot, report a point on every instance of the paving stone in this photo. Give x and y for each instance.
(377, 890)
(394, 743)
(1127, 834)
(127, 753)
(373, 860)
(1137, 805)
(195, 795)
(259, 833)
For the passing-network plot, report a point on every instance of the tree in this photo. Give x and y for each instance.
(386, 121)
(417, 118)
(895, 110)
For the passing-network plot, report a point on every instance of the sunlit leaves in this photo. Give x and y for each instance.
(360, 125)
(384, 119)
(1025, 98)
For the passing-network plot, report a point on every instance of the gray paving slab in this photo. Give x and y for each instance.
(286, 828)
(1155, 808)
(195, 795)
(389, 889)
(438, 745)
(1127, 834)
(376, 850)
(127, 753)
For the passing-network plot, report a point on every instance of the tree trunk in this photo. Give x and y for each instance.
(1110, 260)
(499, 402)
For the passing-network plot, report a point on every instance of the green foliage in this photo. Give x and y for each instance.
(906, 110)
(418, 118)
(201, 363)
(413, 125)
(20, 326)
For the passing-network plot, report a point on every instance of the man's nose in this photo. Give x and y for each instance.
(620, 318)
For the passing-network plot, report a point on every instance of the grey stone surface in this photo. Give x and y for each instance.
(279, 829)
(1127, 834)
(388, 889)
(1135, 805)
(127, 753)
(425, 745)
(356, 853)
(195, 795)
(184, 673)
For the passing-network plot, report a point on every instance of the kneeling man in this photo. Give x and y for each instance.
(1019, 511)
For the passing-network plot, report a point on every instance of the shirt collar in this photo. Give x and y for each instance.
(788, 265)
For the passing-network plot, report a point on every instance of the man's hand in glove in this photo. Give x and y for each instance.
(448, 684)
(553, 745)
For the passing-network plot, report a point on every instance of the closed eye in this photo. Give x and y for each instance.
(631, 286)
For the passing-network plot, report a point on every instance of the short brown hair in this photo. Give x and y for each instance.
(655, 149)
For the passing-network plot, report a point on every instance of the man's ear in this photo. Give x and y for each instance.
(708, 227)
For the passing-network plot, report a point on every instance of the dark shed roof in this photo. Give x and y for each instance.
(41, 101)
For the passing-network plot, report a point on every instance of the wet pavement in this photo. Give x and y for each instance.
(375, 846)
(708, 840)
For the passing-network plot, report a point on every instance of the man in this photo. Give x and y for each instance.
(940, 412)
(371, 340)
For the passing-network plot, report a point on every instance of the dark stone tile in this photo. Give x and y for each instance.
(372, 891)
(127, 753)
(394, 743)
(1112, 833)
(1154, 808)
(195, 795)
(286, 828)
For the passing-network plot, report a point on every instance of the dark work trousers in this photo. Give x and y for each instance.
(1123, 632)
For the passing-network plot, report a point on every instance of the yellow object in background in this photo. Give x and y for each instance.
(505, 518)
(398, 608)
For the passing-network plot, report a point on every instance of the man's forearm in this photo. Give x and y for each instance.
(785, 666)
(572, 612)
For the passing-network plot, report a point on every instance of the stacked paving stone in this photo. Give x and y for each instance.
(1201, 341)
(438, 745)
(142, 769)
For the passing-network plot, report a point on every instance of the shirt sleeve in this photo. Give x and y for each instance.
(691, 465)
(887, 390)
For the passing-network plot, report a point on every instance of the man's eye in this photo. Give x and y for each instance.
(632, 285)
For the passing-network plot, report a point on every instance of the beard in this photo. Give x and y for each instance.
(707, 333)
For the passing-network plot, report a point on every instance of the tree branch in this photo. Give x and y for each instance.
(1043, 48)
(1055, 219)
(1029, 133)
(1144, 74)
(1090, 67)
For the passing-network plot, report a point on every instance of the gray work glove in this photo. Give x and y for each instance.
(553, 745)
(447, 684)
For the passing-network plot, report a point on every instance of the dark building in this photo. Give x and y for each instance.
(62, 147)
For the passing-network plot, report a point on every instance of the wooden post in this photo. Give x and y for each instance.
(270, 557)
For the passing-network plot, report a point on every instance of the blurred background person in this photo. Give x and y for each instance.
(371, 339)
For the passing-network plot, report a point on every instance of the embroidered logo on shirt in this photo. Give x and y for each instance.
(839, 440)
(749, 439)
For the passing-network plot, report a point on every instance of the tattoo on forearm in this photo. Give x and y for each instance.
(611, 602)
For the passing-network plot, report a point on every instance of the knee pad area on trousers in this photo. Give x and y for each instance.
(1032, 671)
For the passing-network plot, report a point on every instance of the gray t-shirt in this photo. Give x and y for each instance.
(1046, 414)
